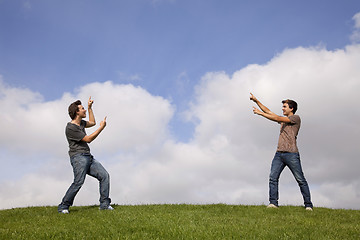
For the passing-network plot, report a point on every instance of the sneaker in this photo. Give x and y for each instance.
(64, 211)
(272, 206)
(308, 209)
(108, 208)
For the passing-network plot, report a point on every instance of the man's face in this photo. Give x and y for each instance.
(82, 111)
(286, 110)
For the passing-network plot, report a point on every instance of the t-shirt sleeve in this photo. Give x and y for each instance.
(294, 119)
(74, 133)
(83, 124)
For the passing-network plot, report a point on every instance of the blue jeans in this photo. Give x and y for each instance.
(86, 164)
(292, 160)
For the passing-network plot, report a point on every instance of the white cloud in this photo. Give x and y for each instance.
(136, 119)
(323, 82)
(356, 18)
(228, 158)
(355, 37)
(33, 138)
(24, 115)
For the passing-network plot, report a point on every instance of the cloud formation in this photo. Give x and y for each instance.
(355, 37)
(228, 158)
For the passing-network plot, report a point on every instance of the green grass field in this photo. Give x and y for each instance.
(180, 222)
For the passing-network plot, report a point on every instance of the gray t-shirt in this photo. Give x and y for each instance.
(74, 134)
(288, 135)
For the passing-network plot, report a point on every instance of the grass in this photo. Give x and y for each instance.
(180, 222)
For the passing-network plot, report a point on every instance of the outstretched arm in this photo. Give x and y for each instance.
(91, 137)
(271, 116)
(265, 112)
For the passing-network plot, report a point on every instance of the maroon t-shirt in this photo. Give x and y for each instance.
(288, 135)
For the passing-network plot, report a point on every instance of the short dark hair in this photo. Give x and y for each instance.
(73, 109)
(292, 104)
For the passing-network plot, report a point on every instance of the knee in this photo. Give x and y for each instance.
(300, 179)
(105, 176)
(302, 182)
(273, 179)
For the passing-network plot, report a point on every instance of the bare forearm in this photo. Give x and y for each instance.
(266, 113)
(91, 137)
(263, 107)
(91, 121)
(91, 116)
(272, 117)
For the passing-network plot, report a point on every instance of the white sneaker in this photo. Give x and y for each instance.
(272, 206)
(65, 211)
(308, 209)
(108, 208)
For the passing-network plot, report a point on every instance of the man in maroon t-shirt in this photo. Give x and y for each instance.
(287, 153)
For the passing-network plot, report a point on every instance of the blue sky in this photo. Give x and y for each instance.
(179, 56)
(165, 46)
(55, 46)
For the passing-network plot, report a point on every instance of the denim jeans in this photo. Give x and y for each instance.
(292, 160)
(86, 164)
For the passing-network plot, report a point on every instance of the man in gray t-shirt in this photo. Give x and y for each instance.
(74, 135)
(81, 160)
(287, 153)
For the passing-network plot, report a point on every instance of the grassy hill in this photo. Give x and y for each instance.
(180, 222)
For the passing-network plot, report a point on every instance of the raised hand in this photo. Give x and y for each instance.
(253, 98)
(103, 123)
(90, 102)
(256, 111)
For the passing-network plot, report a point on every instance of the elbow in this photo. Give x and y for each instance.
(91, 124)
(87, 139)
(280, 119)
(277, 119)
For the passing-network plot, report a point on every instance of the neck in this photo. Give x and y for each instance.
(76, 121)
